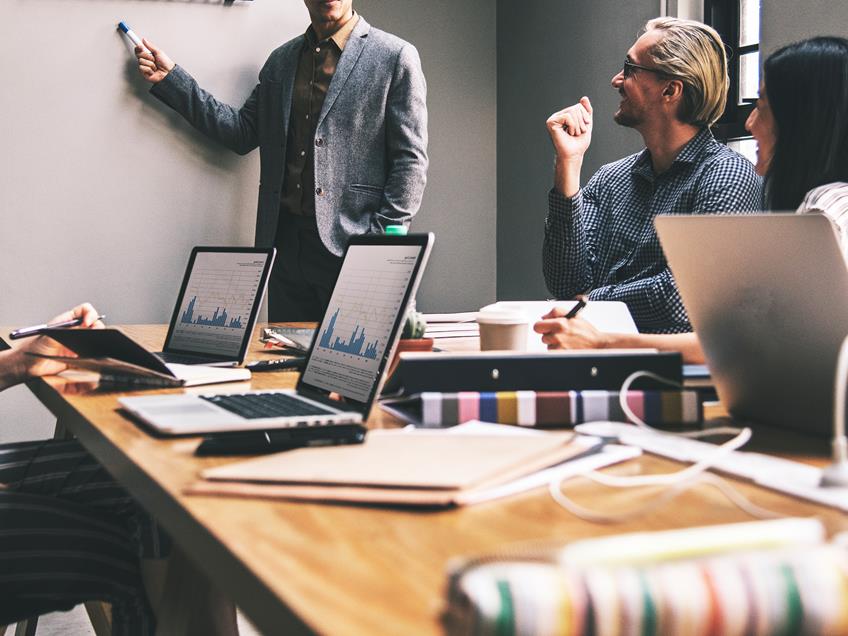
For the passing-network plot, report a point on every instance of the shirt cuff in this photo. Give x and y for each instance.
(175, 77)
(564, 206)
(601, 293)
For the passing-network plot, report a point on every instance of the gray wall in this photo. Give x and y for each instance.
(456, 41)
(103, 190)
(786, 21)
(551, 53)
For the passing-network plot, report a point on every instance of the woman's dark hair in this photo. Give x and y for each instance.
(807, 88)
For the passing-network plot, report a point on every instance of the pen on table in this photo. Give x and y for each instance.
(284, 340)
(26, 332)
(574, 311)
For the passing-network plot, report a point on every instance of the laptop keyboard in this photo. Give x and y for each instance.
(258, 405)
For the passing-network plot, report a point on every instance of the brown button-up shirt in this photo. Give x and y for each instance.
(315, 69)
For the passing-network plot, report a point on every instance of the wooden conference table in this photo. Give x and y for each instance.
(334, 569)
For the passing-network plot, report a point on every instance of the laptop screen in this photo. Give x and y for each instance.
(366, 310)
(218, 302)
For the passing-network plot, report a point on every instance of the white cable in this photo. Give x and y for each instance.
(628, 412)
(670, 493)
(674, 483)
(742, 437)
(625, 387)
(669, 479)
(836, 475)
(839, 391)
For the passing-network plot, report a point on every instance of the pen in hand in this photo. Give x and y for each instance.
(561, 329)
(574, 311)
(35, 330)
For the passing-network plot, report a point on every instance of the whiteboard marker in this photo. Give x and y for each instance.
(131, 34)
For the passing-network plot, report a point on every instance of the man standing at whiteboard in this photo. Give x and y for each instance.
(340, 119)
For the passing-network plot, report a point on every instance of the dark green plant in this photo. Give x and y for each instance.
(415, 325)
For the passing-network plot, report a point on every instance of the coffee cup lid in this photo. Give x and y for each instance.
(501, 316)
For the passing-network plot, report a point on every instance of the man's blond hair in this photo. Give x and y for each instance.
(694, 53)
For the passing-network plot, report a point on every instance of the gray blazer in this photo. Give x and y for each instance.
(370, 143)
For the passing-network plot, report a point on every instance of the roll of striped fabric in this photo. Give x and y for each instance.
(801, 590)
(558, 408)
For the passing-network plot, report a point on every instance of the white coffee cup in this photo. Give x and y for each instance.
(503, 329)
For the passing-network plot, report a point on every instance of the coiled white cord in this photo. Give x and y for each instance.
(674, 484)
(669, 493)
(625, 407)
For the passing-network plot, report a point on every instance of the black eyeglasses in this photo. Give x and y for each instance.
(630, 68)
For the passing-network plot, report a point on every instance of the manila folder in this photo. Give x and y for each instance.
(419, 468)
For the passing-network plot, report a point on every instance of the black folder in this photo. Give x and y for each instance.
(549, 371)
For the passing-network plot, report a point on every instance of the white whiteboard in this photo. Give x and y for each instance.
(103, 189)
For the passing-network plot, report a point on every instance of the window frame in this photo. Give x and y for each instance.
(724, 16)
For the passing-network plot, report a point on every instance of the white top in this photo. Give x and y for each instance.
(832, 200)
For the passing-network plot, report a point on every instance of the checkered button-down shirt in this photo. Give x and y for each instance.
(602, 240)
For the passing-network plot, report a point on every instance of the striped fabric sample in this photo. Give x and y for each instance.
(558, 408)
(784, 591)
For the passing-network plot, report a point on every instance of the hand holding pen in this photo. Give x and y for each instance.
(36, 330)
(23, 365)
(579, 306)
(153, 63)
(559, 312)
(563, 329)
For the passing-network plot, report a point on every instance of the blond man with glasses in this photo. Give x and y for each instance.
(599, 238)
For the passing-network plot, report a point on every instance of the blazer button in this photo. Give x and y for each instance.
(319, 142)
(319, 191)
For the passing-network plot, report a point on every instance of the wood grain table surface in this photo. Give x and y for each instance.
(339, 569)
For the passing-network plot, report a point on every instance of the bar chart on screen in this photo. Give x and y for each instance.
(365, 305)
(353, 345)
(218, 319)
(218, 299)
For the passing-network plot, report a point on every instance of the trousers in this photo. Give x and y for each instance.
(70, 534)
(304, 272)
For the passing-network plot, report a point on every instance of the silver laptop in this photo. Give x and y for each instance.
(344, 369)
(767, 295)
(218, 305)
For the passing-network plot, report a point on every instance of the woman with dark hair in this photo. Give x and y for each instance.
(800, 124)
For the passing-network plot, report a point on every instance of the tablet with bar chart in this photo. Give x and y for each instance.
(367, 307)
(218, 304)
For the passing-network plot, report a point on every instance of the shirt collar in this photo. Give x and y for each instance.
(339, 38)
(691, 153)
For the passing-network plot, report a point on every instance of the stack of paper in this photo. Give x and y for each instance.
(455, 325)
(452, 330)
(460, 316)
